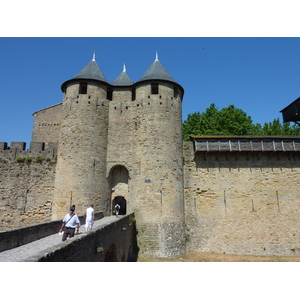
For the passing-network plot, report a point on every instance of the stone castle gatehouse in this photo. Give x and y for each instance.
(121, 142)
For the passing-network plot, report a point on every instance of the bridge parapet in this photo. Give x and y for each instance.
(24, 235)
(113, 241)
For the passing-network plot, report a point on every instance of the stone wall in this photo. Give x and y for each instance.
(26, 188)
(46, 126)
(242, 204)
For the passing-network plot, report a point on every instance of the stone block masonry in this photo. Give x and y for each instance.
(242, 205)
(46, 127)
(82, 148)
(26, 187)
(145, 137)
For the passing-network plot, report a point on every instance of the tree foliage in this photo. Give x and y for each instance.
(232, 121)
(275, 128)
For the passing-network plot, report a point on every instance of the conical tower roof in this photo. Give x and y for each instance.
(123, 79)
(91, 71)
(157, 71)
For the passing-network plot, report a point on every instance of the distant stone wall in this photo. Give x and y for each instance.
(245, 203)
(47, 123)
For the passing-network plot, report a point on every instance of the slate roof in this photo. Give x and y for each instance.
(91, 71)
(157, 71)
(123, 79)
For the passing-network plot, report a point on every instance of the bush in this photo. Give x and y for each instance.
(29, 160)
(39, 159)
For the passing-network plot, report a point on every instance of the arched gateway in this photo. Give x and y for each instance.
(122, 202)
(118, 181)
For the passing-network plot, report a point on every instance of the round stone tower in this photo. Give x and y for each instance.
(159, 204)
(145, 158)
(81, 160)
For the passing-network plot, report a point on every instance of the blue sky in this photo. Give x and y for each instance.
(257, 75)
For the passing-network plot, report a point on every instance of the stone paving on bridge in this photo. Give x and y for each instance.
(24, 252)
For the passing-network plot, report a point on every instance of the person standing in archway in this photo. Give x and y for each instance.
(117, 209)
(89, 218)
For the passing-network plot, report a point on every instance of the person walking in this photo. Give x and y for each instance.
(70, 222)
(89, 218)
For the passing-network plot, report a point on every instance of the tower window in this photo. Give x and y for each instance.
(83, 88)
(154, 88)
(133, 94)
(175, 91)
(109, 94)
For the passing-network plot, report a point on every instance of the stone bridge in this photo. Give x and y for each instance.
(111, 239)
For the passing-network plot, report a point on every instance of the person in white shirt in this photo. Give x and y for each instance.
(70, 222)
(117, 209)
(90, 218)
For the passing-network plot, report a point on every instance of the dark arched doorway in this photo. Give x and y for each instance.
(122, 202)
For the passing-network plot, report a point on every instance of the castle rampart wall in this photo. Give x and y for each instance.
(242, 203)
(26, 187)
(17, 150)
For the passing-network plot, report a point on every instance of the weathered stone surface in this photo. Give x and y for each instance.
(26, 192)
(242, 205)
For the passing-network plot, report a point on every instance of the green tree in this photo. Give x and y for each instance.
(275, 128)
(227, 121)
(232, 121)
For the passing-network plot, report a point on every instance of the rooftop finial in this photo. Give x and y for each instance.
(156, 55)
(124, 68)
(94, 56)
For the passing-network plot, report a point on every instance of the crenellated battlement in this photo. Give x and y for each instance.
(18, 150)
